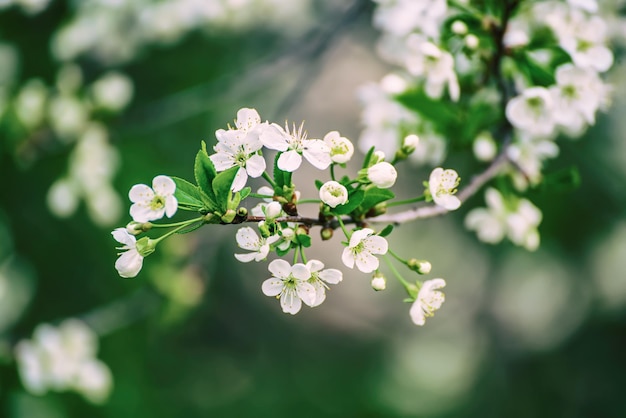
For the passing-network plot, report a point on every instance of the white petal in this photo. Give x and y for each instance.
(366, 262)
(247, 257)
(142, 213)
(290, 302)
(360, 235)
(140, 193)
(279, 268)
(376, 244)
(255, 166)
(314, 265)
(263, 252)
(240, 180)
(320, 293)
(289, 161)
(300, 272)
(347, 257)
(317, 153)
(171, 205)
(163, 185)
(307, 293)
(222, 161)
(417, 313)
(129, 263)
(121, 235)
(247, 239)
(274, 137)
(272, 287)
(332, 276)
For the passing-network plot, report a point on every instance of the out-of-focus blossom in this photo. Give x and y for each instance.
(532, 112)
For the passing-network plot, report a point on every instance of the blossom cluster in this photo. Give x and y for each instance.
(543, 80)
(222, 183)
(63, 358)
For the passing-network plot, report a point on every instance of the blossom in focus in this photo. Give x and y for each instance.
(130, 261)
(259, 247)
(290, 284)
(361, 249)
(428, 300)
(321, 278)
(293, 145)
(151, 204)
(63, 358)
(442, 185)
(333, 194)
(341, 149)
(532, 112)
(382, 175)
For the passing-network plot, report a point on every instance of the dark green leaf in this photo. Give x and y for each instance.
(222, 184)
(187, 194)
(304, 240)
(354, 200)
(319, 184)
(279, 177)
(386, 231)
(375, 196)
(368, 157)
(191, 228)
(245, 192)
(204, 172)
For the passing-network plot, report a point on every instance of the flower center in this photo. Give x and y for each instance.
(449, 182)
(158, 202)
(339, 149)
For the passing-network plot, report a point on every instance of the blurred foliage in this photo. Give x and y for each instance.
(217, 347)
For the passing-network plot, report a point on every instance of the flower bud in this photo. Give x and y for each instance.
(419, 266)
(242, 212)
(136, 228)
(382, 175)
(273, 210)
(145, 246)
(333, 194)
(379, 282)
(471, 41)
(459, 27)
(484, 147)
(229, 216)
(377, 157)
(326, 233)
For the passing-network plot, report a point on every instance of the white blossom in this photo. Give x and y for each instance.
(532, 112)
(529, 153)
(484, 147)
(237, 148)
(586, 43)
(321, 278)
(63, 358)
(442, 185)
(341, 149)
(382, 175)
(590, 6)
(129, 262)
(361, 249)
(425, 59)
(428, 300)
(522, 225)
(290, 283)
(151, 204)
(378, 282)
(293, 145)
(113, 91)
(333, 194)
(259, 247)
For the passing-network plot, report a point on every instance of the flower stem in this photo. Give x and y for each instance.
(187, 222)
(260, 196)
(309, 201)
(343, 227)
(407, 201)
(269, 179)
(395, 272)
(302, 256)
(332, 171)
(396, 256)
(173, 231)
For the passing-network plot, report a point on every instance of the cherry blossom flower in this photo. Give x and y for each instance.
(341, 149)
(361, 249)
(293, 145)
(321, 278)
(129, 262)
(443, 185)
(290, 283)
(532, 112)
(333, 194)
(248, 239)
(151, 204)
(382, 175)
(428, 300)
(237, 148)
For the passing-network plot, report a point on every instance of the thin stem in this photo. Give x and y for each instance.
(187, 222)
(269, 179)
(397, 274)
(407, 201)
(260, 196)
(343, 228)
(173, 231)
(295, 255)
(396, 256)
(332, 171)
(302, 256)
(309, 201)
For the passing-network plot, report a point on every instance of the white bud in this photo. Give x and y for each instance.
(393, 84)
(379, 282)
(273, 210)
(333, 194)
(459, 27)
(382, 175)
(471, 41)
(411, 141)
(484, 147)
(377, 157)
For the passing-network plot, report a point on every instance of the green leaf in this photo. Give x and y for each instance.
(368, 157)
(279, 177)
(442, 113)
(204, 172)
(221, 186)
(319, 184)
(191, 228)
(354, 201)
(187, 194)
(375, 196)
(304, 240)
(386, 231)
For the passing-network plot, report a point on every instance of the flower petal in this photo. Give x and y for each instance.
(376, 244)
(163, 185)
(248, 239)
(272, 287)
(314, 265)
(358, 236)
(279, 268)
(240, 180)
(274, 137)
(121, 235)
(143, 213)
(222, 161)
(290, 302)
(171, 205)
(289, 161)
(366, 262)
(348, 257)
(255, 166)
(129, 263)
(317, 153)
(300, 272)
(307, 293)
(140, 193)
(332, 276)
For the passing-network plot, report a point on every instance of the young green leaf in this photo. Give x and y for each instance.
(222, 184)
(187, 194)
(375, 196)
(204, 172)
(355, 199)
(386, 231)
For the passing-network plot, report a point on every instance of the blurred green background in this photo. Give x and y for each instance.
(521, 334)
